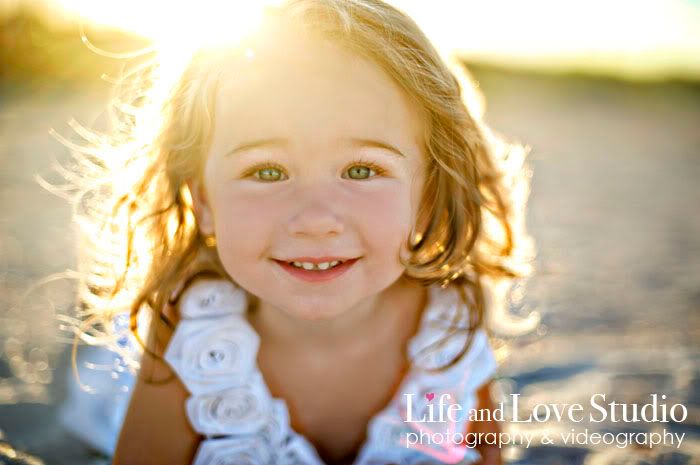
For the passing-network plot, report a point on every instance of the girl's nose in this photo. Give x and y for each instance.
(315, 219)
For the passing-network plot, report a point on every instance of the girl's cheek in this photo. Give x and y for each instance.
(243, 211)
(388, 206)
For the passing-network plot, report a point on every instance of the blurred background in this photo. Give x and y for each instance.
(607, 95)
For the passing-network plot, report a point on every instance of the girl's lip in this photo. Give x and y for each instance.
(316, 260)
(317, 275)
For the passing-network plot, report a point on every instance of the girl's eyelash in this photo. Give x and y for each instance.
(262, 166)
(270, 164)
(376, 168)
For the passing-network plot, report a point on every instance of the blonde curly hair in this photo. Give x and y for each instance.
(139, 237)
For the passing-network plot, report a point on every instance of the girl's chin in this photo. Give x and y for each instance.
(314, 315)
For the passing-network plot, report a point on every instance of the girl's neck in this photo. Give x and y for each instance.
(397, 309)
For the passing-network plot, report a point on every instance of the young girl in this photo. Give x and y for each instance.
(319, 222)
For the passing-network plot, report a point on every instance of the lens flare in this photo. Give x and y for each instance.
(175, 25)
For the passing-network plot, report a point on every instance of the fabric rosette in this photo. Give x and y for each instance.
(211, 298)
(276, 429)
(209, 356)
(239, 450)
(238, 410)
(298, 451)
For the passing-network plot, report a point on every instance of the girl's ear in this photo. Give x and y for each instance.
(202, 209)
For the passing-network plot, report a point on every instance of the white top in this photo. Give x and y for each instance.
(214, 352)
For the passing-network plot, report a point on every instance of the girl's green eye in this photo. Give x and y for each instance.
(360, 172)
(269, 173)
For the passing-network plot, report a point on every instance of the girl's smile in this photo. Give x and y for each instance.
(316, 270)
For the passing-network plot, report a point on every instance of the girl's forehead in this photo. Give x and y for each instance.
(299, 83)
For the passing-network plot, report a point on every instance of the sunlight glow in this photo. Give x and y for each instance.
(174, 25)
(624, 36)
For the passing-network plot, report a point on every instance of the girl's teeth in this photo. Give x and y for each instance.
(320, 266)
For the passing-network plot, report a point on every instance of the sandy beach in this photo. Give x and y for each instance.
(613, 208)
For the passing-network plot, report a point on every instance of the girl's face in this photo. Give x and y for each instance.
(316, 157)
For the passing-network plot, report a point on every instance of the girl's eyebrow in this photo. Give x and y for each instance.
(277, 142)
(371, 143)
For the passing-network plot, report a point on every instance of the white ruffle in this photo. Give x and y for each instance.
(388, 435)
(242, 450)
(298, 451)
(276, 429)
(473, 369)
(212, 297)
(213, 354)
(388, 431)
(238, 410)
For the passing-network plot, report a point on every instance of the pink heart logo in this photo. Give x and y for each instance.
(430, 396)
